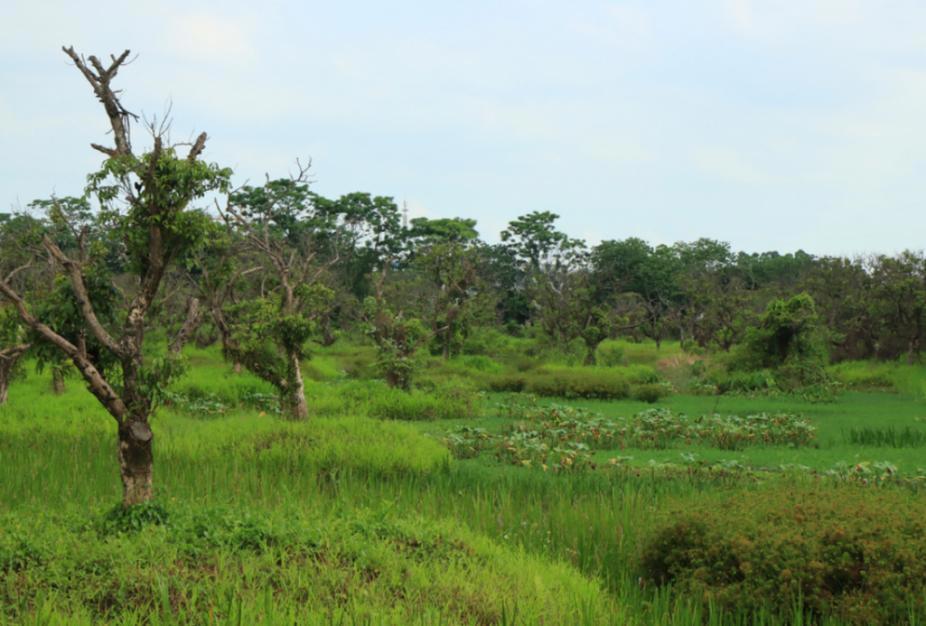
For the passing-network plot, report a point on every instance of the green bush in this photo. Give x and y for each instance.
(514, 383)
(442, 403)
(789, 339)
(478, 363)
(606, 383)
(856, 554)
(650, 392)
(610, 354)
(579, 384)
(760, 381)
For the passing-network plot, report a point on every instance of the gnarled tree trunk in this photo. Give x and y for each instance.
(5, 374)
(296, 405)
(135, 460)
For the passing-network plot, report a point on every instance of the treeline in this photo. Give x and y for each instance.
(328, 266)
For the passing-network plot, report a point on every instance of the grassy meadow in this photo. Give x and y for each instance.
(467, 502)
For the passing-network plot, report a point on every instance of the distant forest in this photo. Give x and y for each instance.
(363, 259)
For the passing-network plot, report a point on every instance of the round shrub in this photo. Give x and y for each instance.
(649, 392)
(852, 553)
(610, 354)
(514, 383)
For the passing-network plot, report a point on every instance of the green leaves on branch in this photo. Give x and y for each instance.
(397, 339)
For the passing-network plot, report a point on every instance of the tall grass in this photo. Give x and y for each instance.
(900, 377)
(332, 478)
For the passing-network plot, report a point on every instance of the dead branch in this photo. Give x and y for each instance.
(100, 78)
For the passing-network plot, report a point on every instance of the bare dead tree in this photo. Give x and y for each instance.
(155, 197)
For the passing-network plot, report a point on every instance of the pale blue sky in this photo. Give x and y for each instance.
(770, 124)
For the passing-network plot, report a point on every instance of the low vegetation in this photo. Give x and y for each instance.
(365, 419)
(842, 552)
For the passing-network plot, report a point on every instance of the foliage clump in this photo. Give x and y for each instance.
(857, 555)
(789, 340)
(638, 382)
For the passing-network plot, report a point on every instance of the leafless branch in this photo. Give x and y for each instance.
(100, 78)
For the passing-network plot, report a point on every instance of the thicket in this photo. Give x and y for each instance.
(639, 382)
(854, 554)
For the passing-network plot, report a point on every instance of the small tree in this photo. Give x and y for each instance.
(280, 225)
(900, 301)
(144, 201)
(452, 271)
(789, 339)
(19, 236)
(633, 266)
(397, 336)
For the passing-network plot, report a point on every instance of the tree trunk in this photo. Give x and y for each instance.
(296, 405)
(57, 381)
(4, 385)
(328, 334)
(135, 461)
(590, 358)
(7, 365)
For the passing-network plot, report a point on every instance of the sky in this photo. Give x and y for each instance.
(773, 125)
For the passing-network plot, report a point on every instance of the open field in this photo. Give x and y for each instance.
(237, 390)
(351, 519)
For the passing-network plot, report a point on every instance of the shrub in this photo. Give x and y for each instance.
(514, 383)
(789, 339)
(442, 403)
(650, 392)
(858, 555)
(467, 442)
(760, 381)
(579, 382)
(131, 519)
(610, 354)
(478, 363)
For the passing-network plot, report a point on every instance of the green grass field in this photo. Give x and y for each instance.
(349, 519)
